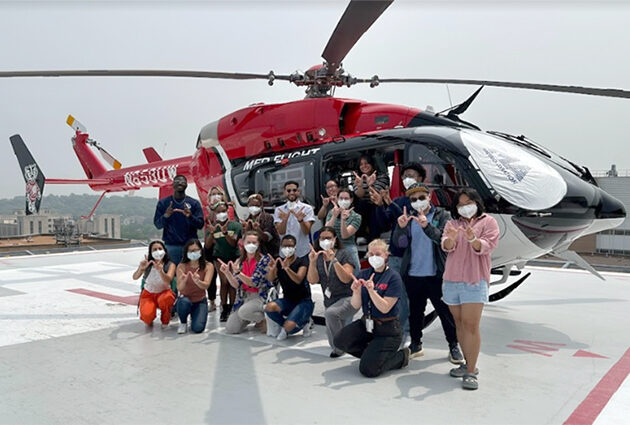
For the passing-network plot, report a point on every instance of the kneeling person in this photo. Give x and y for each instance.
(375, 337)
(290, 314)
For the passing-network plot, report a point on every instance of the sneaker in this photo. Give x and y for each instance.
(455, 355)
(415, 350)
(182, 328)
(335, 354)
(307, 330)
(361, 241)
(273, 329)
(225, 311)
(212, 306)
(282, 335)
(407, 353)
(459, 372)
(164, 326)
(470, 382)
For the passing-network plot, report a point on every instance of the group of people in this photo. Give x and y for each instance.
(433, 254)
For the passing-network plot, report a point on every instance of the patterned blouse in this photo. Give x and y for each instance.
(259, 282)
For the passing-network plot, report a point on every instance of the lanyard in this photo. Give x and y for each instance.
(327, 269)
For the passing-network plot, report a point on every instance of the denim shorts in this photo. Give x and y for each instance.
(457, 293)
(300, 313)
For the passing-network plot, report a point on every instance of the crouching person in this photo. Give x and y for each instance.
(157, 273)
(292, 312)
(375, 337)
(193, 279)
(249, 276)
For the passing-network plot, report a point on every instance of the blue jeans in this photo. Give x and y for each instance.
(198, 313)
(299, 313)
(175, 252)
(394, 263)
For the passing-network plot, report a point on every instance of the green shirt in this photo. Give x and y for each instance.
(353, 220)
(222, 249)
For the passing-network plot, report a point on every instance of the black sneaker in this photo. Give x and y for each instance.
(406, 352)
(225, 311)
(455, 355)
(334, 354)
(415, 350)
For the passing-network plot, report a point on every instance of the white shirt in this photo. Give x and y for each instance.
(293, 226)
(154, 282)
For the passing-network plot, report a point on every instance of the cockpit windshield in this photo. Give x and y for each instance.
(519, 176)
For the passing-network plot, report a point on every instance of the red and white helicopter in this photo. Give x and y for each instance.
(257, 148)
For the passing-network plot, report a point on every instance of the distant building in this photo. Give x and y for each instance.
(38, 224)
(617, 240)
(8, 225)
(105, 225)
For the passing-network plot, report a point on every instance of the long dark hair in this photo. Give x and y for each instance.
(202, 259)
(166, 258)
(338, 244)
(473, 196)
(257, 255)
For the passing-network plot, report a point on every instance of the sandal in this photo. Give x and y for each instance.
(470, 382)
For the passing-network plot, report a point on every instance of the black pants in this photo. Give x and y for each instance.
(419, 290)
(212, 289)
(378, 351)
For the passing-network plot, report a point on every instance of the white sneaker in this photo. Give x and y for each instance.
(273, 329)
(164, 326)
(307, 330)
(182, 328)
(282, 335)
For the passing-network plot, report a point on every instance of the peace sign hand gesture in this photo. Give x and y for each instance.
(422, 220)
(356, 284)
(346, 213)
(223, 267)
(375, 197)
(312, 255)
(451, 232)
(369, 284)
(404, 219)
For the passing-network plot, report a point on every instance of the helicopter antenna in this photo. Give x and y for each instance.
(449, 96)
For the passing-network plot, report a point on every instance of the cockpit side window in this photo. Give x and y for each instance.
(444, 174)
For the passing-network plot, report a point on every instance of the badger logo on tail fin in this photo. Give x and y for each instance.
(33, 175)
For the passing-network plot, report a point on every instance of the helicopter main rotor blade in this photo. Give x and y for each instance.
(592, 91)
(355, 21)
(141, 73)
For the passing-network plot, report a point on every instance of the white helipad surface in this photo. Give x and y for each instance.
(72, 351)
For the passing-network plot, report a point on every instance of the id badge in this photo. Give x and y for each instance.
(369, 325)
(327, 293)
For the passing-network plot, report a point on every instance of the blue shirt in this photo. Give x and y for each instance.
(386, 284)
(422, 260)
(178, 229)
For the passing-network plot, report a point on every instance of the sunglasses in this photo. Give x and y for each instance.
(419, 198)
(291, 190)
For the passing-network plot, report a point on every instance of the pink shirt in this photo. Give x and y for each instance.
(463, 263)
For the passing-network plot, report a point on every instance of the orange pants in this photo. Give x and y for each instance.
(149, 303)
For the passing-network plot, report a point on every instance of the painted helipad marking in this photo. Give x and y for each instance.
(536, 347)
(594, 403)
(584, 353)
(131, 300)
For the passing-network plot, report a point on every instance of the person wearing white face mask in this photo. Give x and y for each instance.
(157, 289)
(346, 222)
(249, 277)
(261, 222)
(376, 337)
(387, 213)
(419, 232)
(222, 237)
(291, 313)
(193, 279)
(331, 267)
(469, 240)
(294, 218)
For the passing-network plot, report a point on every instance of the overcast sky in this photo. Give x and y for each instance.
(580, 43)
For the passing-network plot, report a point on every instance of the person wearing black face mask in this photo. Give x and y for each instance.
(180, 217)
(419, 232)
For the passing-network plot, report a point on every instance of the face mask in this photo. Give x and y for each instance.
(287, 251)
(251, 247)
(222, 216)
(420, 204)
(344, 203)
(158, 254)
(215, 198)
(291, 205)
(326, 244)
(194, 255)
(408, 181)
(467, 211)
(376, 262)
(253, 210)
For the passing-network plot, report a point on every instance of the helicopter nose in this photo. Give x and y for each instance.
(609, 207)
